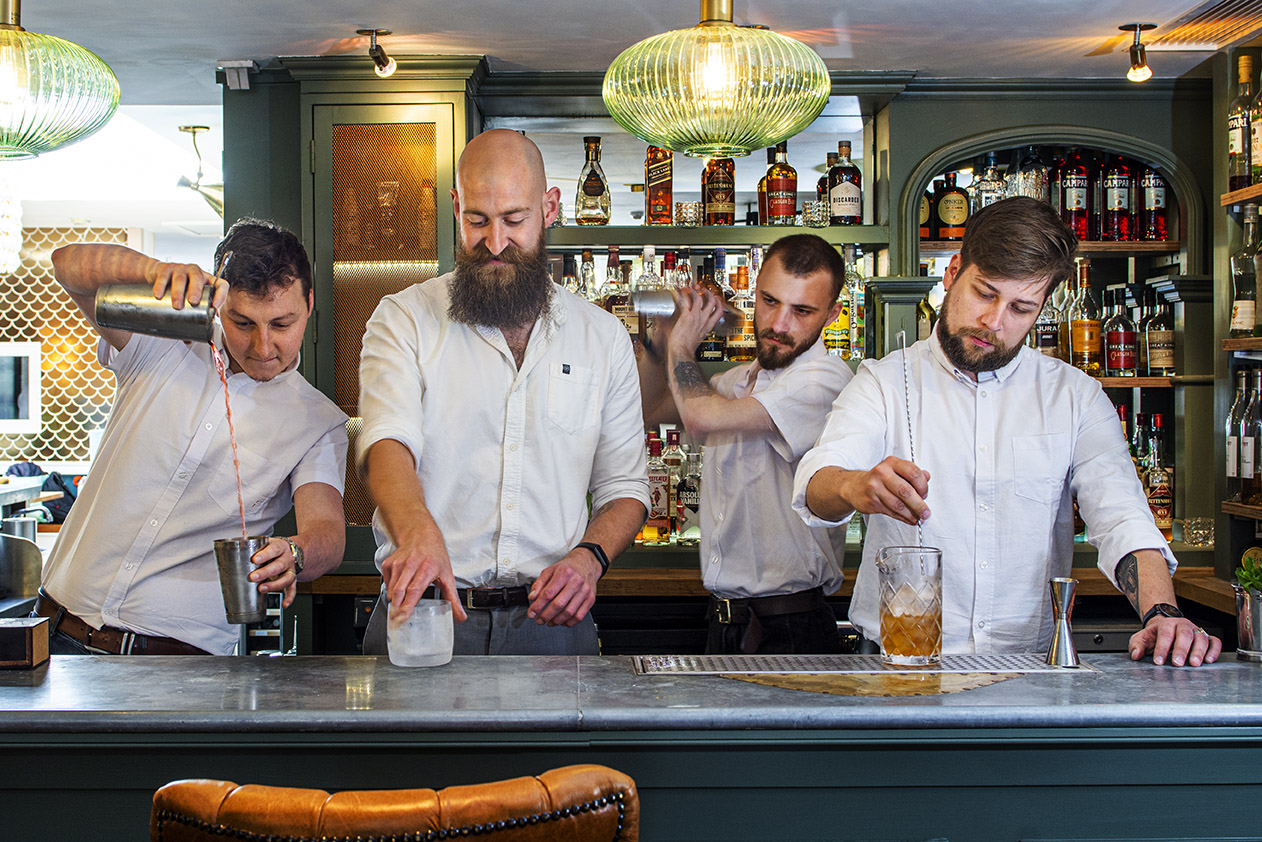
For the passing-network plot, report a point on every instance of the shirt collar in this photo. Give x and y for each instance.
(999, 374)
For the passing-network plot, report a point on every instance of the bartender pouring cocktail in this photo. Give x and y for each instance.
(1003, 438)
(133, 570)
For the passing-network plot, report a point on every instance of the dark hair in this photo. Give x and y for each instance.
(265, 257)
(806, 254)
(1021, 239)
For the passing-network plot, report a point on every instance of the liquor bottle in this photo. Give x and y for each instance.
(926, 318)
(1116, 224)
(939, 185)
(718, 191)
(587, 287)
(1147, 301)
(569, 273)
(854, 295)
(1121, 349)
(1054, 173)
(721, 279)
(1140, 443)
(1029, 176)
(926, 210)
(1152, 219)
(821, 186)
(1244, 283)
(742, 343)
(764, 213)
(1045, 338)
(683, 269)
(1075, 192)
(845, 189)
(782, 188)
(657, 528)
(1238, 406)
(1239, 159)
(1122, 412)
(1160, 481)
(952, 210)
(987, 189)
(688, 503)
(1084, 325)
(713, 347)
(1097, 195)
(616, 297)
(1159, 337)
(591, 202)
(659, 186)
(1250, 421)
(670, 275)
(837, 332)
(673, 459)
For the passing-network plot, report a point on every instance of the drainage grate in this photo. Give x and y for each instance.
(830, 664)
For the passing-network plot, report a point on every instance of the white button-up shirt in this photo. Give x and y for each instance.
(1005, 455)
(752, 542)
(137, 549)
(506, 457)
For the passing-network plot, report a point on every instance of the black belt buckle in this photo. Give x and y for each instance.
(481, 599)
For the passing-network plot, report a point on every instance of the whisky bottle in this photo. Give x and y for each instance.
(658, 186)
(1075, 193)
(1160, 481)
(1152, 219)
(742, 343)
(591, 201)
(1084, 325)
(987, 189)
(952, 210)
(713, 347)
(1238, 406)
(854, 295)
(764, 212)
(1159, 337)
(1045, 338)
(926, 210)
(845, 189)
(1120, 347)
(1244, 283)
(821, 186)
(1146, 300)
(1250, 420)
(587, 287)
(718, 191)
(569, 273)
(688, 503)
(1239, 158)
(657, 528)
(616, 298)
(782, 189)
(1116, 222)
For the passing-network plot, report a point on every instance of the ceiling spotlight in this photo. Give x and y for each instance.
(383, 65)
(1140, 71)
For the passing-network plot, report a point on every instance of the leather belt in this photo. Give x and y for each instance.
(737, 611)
(110, 640)
(487, 599)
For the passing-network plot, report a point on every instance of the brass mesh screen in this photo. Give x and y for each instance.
(77, 392)
(356, 501)
(384, 231)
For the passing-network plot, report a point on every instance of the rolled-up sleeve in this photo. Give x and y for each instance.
(620, 467)
(326, 460)
(854, 439)
(391, 381)
(798, 403)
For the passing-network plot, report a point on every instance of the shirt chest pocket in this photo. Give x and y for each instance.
(261, 480)
(1040, 466)
(572, 402)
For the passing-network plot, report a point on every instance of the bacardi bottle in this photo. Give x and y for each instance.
(658, 186)
(782, 189)
(591, 202)
(845, 189)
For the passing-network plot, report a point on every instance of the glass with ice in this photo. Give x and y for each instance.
(423, 638)
(911, 605)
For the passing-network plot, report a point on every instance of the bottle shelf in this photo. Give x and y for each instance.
(1086, 248)
(1242, 510)
(1250, 195)
(1135, 382)
(581, 236)
(1249, 343)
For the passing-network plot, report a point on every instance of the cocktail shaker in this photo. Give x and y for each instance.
(133, 308)
(661, 303)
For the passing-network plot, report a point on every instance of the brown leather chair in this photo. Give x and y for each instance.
(579, 803)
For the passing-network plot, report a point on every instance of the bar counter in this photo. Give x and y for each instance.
(1126, 750)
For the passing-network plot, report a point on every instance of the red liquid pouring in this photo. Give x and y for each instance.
(232, 435)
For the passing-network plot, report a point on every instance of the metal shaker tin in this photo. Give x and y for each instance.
(133, 308)
(661, 303)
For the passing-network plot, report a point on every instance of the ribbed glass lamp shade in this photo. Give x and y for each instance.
(716, 90)
(52, 93)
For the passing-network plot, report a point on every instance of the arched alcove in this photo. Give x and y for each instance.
(1176, 173)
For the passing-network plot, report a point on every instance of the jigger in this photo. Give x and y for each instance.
(1062, 652)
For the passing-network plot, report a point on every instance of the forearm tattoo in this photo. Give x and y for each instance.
(1127, 573)
(689, 379)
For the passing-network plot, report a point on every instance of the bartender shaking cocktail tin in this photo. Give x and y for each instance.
(1005, 438)
(134, 570)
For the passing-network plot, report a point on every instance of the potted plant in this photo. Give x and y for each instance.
(1248, 588)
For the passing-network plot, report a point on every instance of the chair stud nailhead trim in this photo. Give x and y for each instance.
(618, 798)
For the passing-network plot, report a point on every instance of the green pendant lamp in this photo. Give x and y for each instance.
(52, 92)
(716, 90)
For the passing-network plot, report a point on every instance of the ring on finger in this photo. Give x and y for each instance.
(1199, 630)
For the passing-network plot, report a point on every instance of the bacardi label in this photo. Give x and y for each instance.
(1242, 313)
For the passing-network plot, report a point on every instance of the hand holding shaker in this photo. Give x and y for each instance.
(241, 598)
(133, 308)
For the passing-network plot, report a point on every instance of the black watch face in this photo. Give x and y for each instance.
(1168, 610)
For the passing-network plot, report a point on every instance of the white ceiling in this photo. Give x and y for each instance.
(165, 56)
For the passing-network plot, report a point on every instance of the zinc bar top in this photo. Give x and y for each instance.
(568, 694)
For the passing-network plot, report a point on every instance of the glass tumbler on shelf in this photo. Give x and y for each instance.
(815, 214)
(910, 605)
(688, 214)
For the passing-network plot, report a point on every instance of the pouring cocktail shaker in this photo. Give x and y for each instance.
(133, 308)
(661, 303)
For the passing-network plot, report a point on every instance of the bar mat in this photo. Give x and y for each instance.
(838, 664)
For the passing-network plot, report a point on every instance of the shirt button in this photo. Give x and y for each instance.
(714, 559)
(984, 565)
(153, 523)
(210, 426)
(183, 474)
(983, 507)
(981, 624)
(983, 393)
(128, 566)
(512, 447)
(509, 507)
(982, 448)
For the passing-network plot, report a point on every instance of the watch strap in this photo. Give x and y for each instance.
(598, 551)
(1165, 609)
(299, 556)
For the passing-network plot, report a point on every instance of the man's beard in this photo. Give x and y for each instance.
(966, 356)
(511, 294)
(771, 357)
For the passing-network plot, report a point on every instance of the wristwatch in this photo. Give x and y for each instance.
(299, 561)
(598, 551)
(1165, 609)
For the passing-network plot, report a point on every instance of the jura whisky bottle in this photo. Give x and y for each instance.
(591, 202)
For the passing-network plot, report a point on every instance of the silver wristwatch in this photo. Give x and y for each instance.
(299, 563)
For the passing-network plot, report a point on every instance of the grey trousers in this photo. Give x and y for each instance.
(501, 631)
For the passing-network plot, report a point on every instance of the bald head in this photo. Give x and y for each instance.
(501, 155)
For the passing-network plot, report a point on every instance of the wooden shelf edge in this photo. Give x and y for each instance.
(1242, 510)
(1249, 195)
(1086, 248)
(1253, 343)
(1135, 382)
